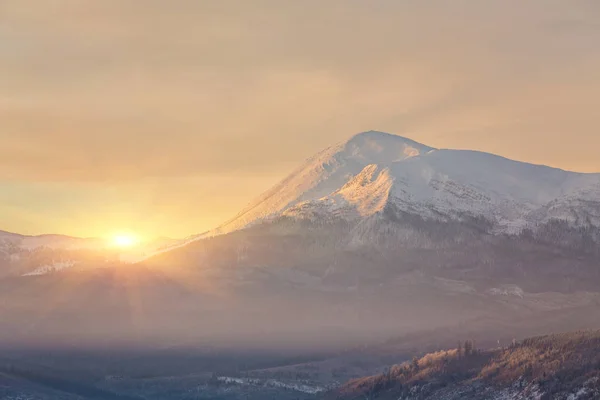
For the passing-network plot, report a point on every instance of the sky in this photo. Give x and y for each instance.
(166, 117)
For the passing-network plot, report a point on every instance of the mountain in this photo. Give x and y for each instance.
(23, 255)
(327, 172)
(375, 170)
(37, 255)
(564, 366)
(374, 238)
(381, 235)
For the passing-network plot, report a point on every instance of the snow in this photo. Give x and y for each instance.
(507, 290)
(326, 173)
(294, 386)
(586, 391)
(365, 194)
(360, 177)
(46, 269)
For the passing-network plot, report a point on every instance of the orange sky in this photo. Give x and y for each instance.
(165, 117)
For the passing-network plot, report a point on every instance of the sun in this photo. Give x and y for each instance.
(124, 240)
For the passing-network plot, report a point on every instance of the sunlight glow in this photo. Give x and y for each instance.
(125, 240)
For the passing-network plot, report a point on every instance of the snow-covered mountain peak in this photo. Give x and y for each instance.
(380, 148)
(327, 172)
(371, 170)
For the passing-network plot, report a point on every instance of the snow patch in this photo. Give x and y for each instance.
(46, 269)
(507, 290)
(297, 387)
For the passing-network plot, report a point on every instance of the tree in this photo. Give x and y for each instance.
(468, 348)
(415, 364)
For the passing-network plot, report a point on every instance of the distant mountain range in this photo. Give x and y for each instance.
(23, 255)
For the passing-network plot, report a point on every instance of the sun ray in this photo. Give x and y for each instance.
(125, 240)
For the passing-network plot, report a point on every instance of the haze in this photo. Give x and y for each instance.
(167, 117)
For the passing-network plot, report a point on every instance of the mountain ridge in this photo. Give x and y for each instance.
(559, 366)
(427, 181)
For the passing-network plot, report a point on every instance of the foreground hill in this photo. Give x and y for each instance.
(565, 366)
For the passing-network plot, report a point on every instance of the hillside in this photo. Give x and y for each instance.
(25, 255)
(375, 170)
(565, 366)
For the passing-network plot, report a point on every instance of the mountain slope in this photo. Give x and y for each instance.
(374, 169)
(327, 172)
